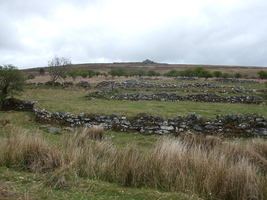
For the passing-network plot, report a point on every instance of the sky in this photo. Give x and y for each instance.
(212, 32)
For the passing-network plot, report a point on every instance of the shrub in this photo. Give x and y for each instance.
(225, 75)
(153, 73)
(217, 74)
(262, 74)
(172, 73)
(42, 71)
(31, 76)
(238, 75)
(117, 72)
(11, 82)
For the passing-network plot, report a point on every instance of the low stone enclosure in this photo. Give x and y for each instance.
(193, 97)
(239, 125)
(250, 125)
(111, 87)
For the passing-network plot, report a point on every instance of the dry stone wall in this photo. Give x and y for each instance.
(248, 99)
(249, 125)
(223, 125)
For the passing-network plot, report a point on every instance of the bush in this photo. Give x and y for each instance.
(199, 72)
(225, 75)
(153, 73)
(42, 71)
(31, 76)
(217, 74)
(262, 74)
(11, 82)
(238, 75)
(172, 73)
(117, 72)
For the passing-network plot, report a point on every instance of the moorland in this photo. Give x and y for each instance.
(37, 163)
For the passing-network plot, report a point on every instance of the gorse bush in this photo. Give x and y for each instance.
(204, 166)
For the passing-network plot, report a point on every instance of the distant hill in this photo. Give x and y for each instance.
(249, 71)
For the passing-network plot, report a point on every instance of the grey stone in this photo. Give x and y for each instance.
(169, 128)
(197, 128)
(53, 129)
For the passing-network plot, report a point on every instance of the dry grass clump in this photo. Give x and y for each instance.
(234, 171)
(4, 122)
(203, 141)
(29, 151)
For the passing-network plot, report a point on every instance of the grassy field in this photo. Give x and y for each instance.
(36, 164)
(74, 101)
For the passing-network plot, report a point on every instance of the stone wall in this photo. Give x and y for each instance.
(15, 104)
(249, 125)
(223, 125)
(248, 99)
(234, 80)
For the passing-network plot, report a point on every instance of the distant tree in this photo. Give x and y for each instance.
(57, 68)
(42, 71)
(262, 74)
(201, 72)
(91, 73)
(73, 74)
(206, 74)
(11, 82)
(117, 72)
(172, 73)
(83, 73)
(225, 75)
(141, 72)
(188, 73)
(217, 74)
(97, 73)
(105, 74)
(238, 75)
(153, 73)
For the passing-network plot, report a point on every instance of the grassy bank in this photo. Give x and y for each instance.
(198, 165)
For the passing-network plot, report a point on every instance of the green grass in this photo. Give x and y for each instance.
(74, 102)
(23, 185)
(18, 184)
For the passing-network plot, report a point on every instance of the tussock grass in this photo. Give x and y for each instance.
(202, 166)
(4, 122)
(29, 151)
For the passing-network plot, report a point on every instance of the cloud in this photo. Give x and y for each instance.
(202, 32)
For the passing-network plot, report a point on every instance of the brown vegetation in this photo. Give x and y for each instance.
(234, 171)
(249, 71)
(5, 122)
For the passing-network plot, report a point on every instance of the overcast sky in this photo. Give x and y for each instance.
(221, 32)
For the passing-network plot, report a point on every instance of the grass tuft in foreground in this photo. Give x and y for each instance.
(203, 166)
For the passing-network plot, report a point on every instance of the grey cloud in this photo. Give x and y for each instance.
(235, 36)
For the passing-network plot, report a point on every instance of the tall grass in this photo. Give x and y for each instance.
(202, 166)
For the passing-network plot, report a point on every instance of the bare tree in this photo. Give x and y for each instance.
(57, 68)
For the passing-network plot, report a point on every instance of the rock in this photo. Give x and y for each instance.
(197, 128)
(54, 130)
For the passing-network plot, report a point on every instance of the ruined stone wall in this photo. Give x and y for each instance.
(223, 125)
(248, 99)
